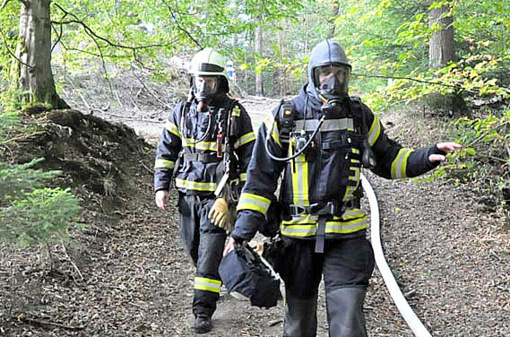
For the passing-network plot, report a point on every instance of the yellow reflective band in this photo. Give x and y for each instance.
(195, 185)
(341, 227)
(352, 213)
(306, 226)
(204, 146)
(299, 231)
(399, 164)
(300, 181)
(374, 132)
(349, 190)
(163, 163)
(275, 134)
(236, 112)
(253, 202)
(243, 176)
(172, 128)
(207, 284)
(244, 139)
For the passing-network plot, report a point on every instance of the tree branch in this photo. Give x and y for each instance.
(11, 53)
(408, 79)
(456, 87)
(59, 34)
(180, 27)
(4, 3)
(91, 32)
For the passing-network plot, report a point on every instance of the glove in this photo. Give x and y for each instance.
(220, 214)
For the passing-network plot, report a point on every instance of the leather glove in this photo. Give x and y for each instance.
(220, 214)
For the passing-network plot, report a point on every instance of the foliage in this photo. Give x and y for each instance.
(30, 212)
(484, 160)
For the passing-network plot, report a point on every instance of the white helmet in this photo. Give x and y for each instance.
(209, 62)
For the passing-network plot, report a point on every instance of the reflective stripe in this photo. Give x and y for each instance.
(253, 202)
(172, 128)
(375, 131)
(353, 213)
(275, 134)
(207, 284)
(243, 176)
(349, 190)
(204, 146)
(307, 226)
(236, 112)
(346, 227)
(244, 139)
(195, 185)
(163, 163)
(300, 181)
(327, 125)
(399, 164)
(299, 231)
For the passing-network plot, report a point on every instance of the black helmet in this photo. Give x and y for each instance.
(328, 58)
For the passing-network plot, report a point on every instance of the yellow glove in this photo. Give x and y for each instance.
(220, 215)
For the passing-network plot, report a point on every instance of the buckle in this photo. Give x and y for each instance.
(298, 210)
(328, 209)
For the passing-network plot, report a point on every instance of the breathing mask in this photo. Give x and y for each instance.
(331, 82)
(205, 88)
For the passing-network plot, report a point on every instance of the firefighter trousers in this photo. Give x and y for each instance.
(204, 242)
(347, 265)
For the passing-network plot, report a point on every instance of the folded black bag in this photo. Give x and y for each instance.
(244, 273)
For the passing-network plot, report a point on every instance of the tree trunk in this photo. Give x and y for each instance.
(259, 83)
(33, 54)
(335, 8)
(441, 47)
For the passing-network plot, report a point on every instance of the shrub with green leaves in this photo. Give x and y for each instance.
(30, 213)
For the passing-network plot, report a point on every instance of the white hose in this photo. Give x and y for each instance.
(410, 317)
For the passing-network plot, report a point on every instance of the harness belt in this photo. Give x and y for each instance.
(325, 211)
(330, 208)
(202, 157)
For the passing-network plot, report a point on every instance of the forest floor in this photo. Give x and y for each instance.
(126, 274)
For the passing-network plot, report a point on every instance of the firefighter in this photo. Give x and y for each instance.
(205, 146)
(318, 142)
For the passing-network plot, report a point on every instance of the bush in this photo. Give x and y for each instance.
(30, 213)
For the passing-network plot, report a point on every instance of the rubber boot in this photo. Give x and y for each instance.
(345, 312)
(202, 324)
(300, 317)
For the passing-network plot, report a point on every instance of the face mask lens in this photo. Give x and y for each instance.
(206, 85)
(331, 79)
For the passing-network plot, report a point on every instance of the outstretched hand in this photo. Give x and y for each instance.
(445, 147)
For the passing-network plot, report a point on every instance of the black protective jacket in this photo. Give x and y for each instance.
(328, 173)
(204, 139)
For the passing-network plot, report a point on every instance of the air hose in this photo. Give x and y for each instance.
(300, 151)
(407, 313)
